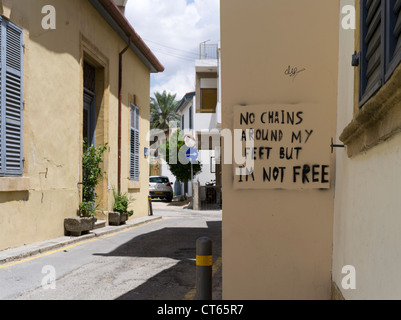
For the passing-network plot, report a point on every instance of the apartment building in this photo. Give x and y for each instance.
(200, 117)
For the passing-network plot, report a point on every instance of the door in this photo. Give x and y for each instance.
(89, 117)
(89, 104)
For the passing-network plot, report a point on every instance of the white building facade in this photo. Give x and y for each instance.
(200, 114)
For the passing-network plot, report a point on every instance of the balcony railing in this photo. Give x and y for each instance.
(208, 51)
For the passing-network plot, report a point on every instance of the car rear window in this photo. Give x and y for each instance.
(159, 180)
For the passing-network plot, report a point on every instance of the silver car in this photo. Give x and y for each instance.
(160, 187)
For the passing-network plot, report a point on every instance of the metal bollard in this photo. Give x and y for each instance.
(150, 206)
(204, 264)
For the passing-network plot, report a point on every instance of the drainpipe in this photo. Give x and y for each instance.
(120, 86)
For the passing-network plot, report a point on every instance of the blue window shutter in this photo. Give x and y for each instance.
(393, 36)
(2, 114)
(371, 48)
(136, 177)
(397, 28)
(134, 152)
(11, 99)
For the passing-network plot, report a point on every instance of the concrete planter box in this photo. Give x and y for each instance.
(78, 226)
(117, 218)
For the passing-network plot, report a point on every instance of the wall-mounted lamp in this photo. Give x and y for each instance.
(355, 59)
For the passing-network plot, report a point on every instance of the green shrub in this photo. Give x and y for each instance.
(91, 173)
(121, 202)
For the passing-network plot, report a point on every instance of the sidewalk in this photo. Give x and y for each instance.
(31, 250)
(174, 205)
(182, 206)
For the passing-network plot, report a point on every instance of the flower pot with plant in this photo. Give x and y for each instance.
(120, 213)
(92, 173)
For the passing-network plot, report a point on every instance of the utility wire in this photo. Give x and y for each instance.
(191, 53)
(172, 54)
(180, 58)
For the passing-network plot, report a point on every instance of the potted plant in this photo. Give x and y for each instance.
(120, 213)
(92, 173)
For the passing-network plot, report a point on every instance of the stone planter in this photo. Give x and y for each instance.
(117, 218)
(78, 226)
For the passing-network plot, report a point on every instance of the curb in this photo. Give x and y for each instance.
(34, 249)
(188, 211)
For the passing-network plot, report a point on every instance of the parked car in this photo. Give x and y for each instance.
(160, 187)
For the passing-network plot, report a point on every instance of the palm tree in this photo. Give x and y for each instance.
(163, 110)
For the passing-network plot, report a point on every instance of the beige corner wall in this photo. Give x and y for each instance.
(33, 208)
(277, 244)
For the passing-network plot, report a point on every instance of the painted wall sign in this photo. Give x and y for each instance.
(280, 147)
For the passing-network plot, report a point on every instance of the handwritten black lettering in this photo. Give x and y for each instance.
(293, 72)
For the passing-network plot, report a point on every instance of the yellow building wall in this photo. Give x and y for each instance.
(277, 244)
(33, 208)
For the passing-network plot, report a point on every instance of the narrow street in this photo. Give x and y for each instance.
(155, 261)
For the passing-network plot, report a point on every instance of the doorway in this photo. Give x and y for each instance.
(89, 112)
(95, 110)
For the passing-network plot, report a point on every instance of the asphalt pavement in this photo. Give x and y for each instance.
(30, 250)
(154, 257)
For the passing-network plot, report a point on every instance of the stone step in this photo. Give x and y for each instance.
(100, 224)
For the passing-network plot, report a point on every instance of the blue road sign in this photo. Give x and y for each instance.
(192, 154)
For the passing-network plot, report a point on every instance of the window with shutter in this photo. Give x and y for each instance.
(380, 44)
(397, 25)
(371, 47)
(11, 99)
(182, 122)
(379, 70)
(208, 100)
(134, 154)
(393, 36)
(191, 122)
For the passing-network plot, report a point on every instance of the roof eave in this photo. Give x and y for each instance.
(114, 17)
(185, 101)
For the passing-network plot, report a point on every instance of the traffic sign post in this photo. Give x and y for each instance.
(192, 155)
(190, 141)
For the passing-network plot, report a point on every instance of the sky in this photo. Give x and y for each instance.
(173, 30)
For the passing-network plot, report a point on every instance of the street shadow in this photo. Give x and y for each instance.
(207, 206)
(179, 244)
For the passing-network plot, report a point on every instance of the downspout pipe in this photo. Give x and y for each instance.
(120, 97)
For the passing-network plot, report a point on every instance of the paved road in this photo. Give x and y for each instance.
(152, 262)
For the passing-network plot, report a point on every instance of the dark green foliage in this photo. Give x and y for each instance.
(181, 170)
(162, 110)
(121, 202)
(92, 173)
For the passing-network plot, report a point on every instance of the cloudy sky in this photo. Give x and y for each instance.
(174, 29)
